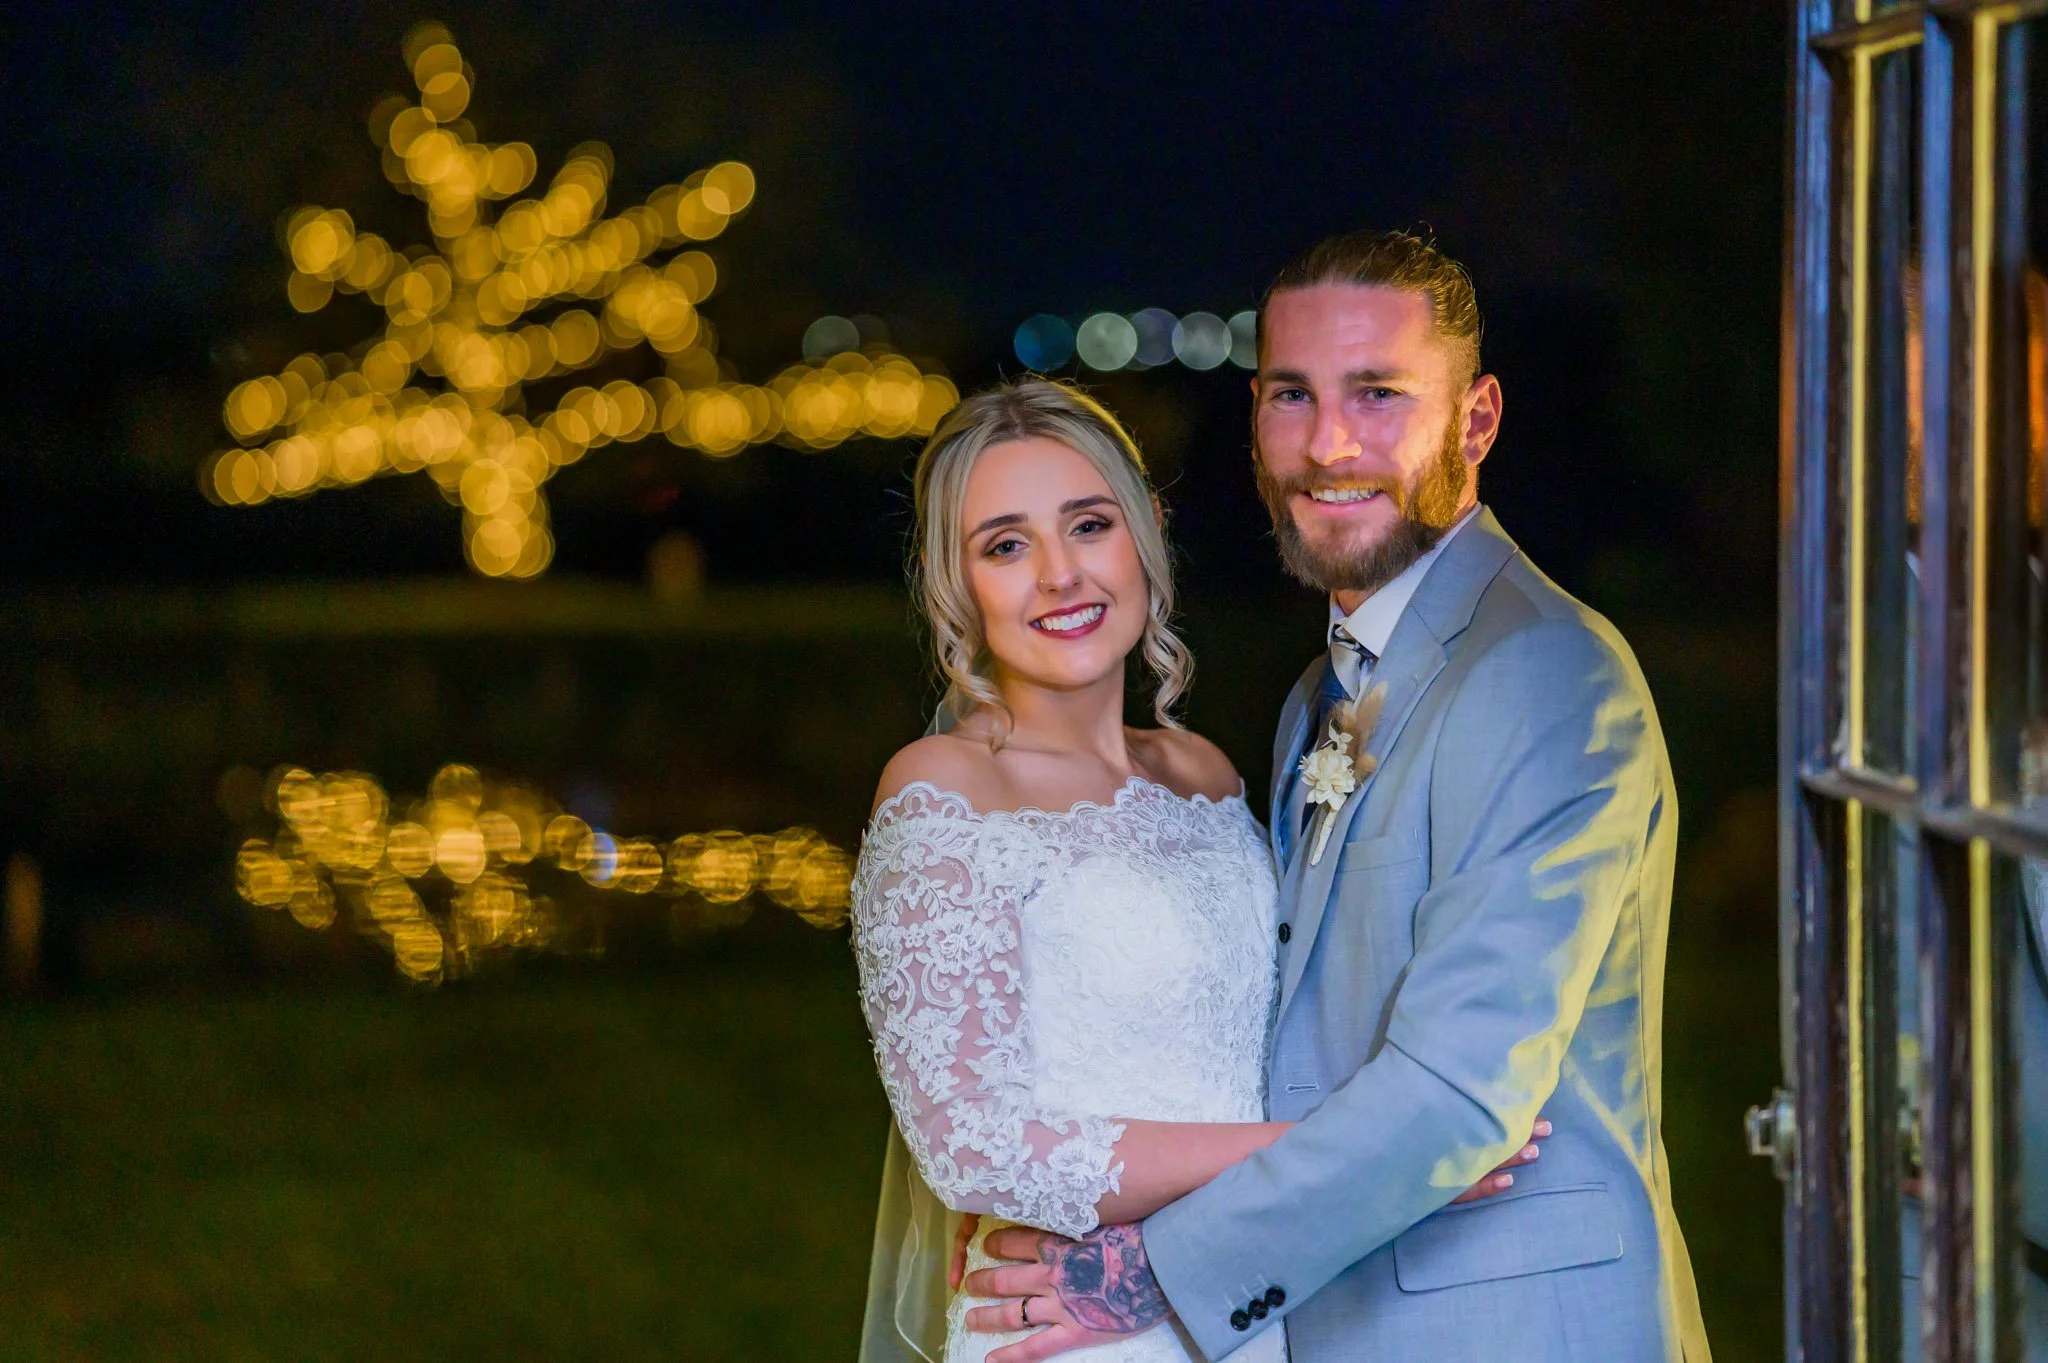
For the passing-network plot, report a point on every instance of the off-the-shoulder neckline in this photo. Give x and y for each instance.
(1132, 784)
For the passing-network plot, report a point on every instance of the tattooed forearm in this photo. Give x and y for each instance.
(1105, 1280)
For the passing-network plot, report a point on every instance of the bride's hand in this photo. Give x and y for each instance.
(1500, 1180)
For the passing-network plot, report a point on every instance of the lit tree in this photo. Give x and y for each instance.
(515, 290)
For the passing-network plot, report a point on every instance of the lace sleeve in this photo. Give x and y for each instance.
(935, 903)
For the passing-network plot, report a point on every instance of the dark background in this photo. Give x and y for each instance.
(1613, 185)
(266, 1138)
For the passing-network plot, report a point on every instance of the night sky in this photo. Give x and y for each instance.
(1613, 184)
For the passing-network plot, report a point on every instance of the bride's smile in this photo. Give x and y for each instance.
(1075, 623)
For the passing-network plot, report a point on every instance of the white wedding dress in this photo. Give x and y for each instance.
(1030, 977)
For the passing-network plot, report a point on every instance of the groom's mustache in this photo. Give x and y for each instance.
(1277, 489)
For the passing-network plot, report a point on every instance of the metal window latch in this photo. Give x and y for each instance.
(1773, 1132)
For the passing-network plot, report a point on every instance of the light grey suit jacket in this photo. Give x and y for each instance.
(1483, 940)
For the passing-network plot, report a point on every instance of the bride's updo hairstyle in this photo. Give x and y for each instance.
(938, 574)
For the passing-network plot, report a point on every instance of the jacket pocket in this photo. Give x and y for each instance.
(1369, 854)
(1380, 881)
(1542, 1230)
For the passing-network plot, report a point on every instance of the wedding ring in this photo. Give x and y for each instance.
(1024, 1309)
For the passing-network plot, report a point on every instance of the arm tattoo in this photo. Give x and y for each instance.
(1105, 1280)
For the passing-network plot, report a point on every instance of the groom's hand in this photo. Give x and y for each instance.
(1500, 1180)
(1087, 1291)
(969, 1224)
(1099, 1288)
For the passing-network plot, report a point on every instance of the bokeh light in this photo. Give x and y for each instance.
(1201, 340)
(1244, 339)
(1146, 339)
(828, 336)
(477, 866)
(1154, 328)
(1106, 341)
(1044, 342)
(517, 290)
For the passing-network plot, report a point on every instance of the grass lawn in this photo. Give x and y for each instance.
(598, 1163)
(612, 1166)
(1721, 1055)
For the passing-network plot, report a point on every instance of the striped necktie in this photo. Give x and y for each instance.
(1349, 660)
(1350, 664)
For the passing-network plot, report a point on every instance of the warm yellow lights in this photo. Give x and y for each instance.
(474, 842)
(442, 389)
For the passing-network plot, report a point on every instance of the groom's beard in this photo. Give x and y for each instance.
(1425, 508)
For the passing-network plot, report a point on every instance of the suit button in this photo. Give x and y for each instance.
(1240, 1321)
(1257, 1307)
(1286, 934)
(1276, 1297)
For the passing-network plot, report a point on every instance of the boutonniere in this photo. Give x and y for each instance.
(1331, 772)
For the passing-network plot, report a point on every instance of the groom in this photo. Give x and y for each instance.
(1483, 935)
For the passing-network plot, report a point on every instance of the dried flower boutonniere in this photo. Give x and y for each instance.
(1331, 771)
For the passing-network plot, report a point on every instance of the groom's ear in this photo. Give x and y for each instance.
(1482, 407)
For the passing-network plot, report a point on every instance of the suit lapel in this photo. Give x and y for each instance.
(1441, 608)
(1412, 661)
(1287, 741)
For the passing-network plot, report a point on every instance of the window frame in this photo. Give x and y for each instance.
(1840, 1226)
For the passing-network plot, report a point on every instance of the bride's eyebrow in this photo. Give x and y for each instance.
(1018, 517)
(997, 522)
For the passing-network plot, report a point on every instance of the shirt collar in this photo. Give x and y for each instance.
(1372, 624)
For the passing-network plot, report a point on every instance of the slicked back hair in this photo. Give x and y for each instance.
(1394, 260)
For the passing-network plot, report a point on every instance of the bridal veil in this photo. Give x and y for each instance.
(907, 1290)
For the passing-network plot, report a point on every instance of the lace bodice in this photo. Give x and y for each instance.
(1029, 977)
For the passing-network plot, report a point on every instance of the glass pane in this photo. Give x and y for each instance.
(2019, 410)
(2029, 1041)
(1890, 994)
(2020, 430)
(2018, 694)
(2028, 430)
(1891, 408)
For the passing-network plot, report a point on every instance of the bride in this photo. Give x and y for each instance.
(1064, 926)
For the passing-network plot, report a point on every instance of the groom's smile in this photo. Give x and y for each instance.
(1346, 504)
(1342, 518)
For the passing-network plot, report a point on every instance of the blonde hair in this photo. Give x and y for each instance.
(995, 416)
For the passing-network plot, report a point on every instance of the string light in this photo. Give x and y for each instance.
(474, 845)
(546, 287)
